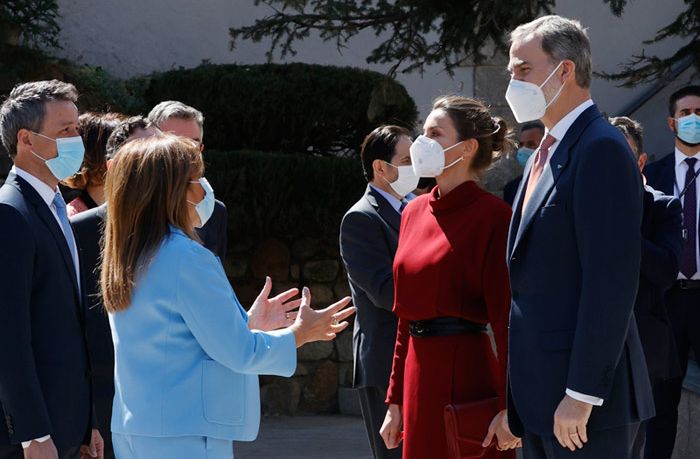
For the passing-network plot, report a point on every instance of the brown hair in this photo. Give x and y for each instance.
(380, 144)
(95, 129)
(146, 192)
(472, 120)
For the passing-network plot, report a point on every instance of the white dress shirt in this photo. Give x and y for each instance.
(47, 195)
(391, 199)
(679, 185)
(558, 132)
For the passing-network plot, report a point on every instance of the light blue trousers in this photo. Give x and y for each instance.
(143, 447)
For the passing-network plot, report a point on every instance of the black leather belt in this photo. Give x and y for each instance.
(686, 284)
(443, 326)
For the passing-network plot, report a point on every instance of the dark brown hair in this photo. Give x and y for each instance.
(146, 191)
(95, 129)
(632, 130)
(472, 120)
(380, 144)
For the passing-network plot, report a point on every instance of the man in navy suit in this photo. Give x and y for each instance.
(676, 174)
(369, 235)
(45, 390)
(662, 241)
(578, 381)
(180, 119)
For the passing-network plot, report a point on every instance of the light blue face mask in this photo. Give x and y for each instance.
(688, 128)
(523, 154)
(205, 207)
(71, 152)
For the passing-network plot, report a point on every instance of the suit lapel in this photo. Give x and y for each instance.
(50, 221)
(668, 175)
(384, 209)
(551, 174)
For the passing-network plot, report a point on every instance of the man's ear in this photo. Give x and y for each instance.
(201, 147)
(378, 167)
(671, 124)
(642, 161)
(24, 138)
(568, 70)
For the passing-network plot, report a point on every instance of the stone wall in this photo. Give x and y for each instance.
(324, 368)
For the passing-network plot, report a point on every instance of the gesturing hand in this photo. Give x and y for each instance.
(570, 420)
(268, 314)
(322, 325)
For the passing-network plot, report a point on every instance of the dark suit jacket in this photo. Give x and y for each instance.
(574, 259)
(369, 235)
(661, 249)
(213, 233)
(44, 367)
(88, 229)
(661, 174)
(510, 190)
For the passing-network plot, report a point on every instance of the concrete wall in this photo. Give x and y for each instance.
(132, 37)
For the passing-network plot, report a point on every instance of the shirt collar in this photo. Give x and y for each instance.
(45, 191)
(391, 199)
(559, 130)
(680, 157)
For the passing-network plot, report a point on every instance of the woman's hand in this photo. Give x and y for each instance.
(391, 428)
(268, 314)
(499, 428)
(322, 325)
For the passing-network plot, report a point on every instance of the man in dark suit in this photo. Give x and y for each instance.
(369, 234)
(45, 389)
(578, 382)
(662, 241)
(180, 119)
(677, 174)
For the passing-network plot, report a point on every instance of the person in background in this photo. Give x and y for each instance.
(577, 374)
(531, 134)
(180, 119)
(89, 228)
(662, 241)
(45, 389)
(187, 354)
(676, 174)
(95, 129)
(369, 233)
(425, 185)
(451, 281)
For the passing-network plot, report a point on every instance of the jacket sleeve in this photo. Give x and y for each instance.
(219, 323)
(607, 210)
(395, 391)
(22, 399)
(496, 287)
(368, 261)
(661, 253)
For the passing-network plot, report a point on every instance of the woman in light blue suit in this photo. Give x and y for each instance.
(187, 355)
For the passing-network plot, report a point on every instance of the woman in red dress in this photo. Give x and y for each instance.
(450, 279)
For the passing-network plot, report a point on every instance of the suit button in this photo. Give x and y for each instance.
(512, 259)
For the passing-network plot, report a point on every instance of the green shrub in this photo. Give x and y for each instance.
(287, 107)
(282, 195)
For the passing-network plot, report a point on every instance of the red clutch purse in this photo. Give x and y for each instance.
(466, 426)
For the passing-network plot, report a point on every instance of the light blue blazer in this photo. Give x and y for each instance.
(186, 363)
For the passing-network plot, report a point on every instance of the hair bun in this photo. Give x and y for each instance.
(499, 138)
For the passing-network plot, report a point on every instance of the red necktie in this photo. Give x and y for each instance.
(538, 167)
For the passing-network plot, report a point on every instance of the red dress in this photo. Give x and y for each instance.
(450, 261)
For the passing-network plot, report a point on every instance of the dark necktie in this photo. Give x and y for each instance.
(404, 203)
(690, 201)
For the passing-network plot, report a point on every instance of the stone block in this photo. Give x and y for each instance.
(281, 397)
(321, 295)
(271, 258)
(302, 369)
(305, 248)
(247, 292)
(341, 287)
(295, 272)
(320, 394)
(318, 350)
(345, 371)
(343, 343)
(321, 270)
(236, 266)
(349, 402)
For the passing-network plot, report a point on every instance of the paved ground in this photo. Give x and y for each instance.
(308, 437)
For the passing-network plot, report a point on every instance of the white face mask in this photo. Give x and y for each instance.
(428, 157)
(407, 181)
(527, 100)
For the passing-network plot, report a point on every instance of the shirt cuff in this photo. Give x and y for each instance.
(595, 401)
(25, 444)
